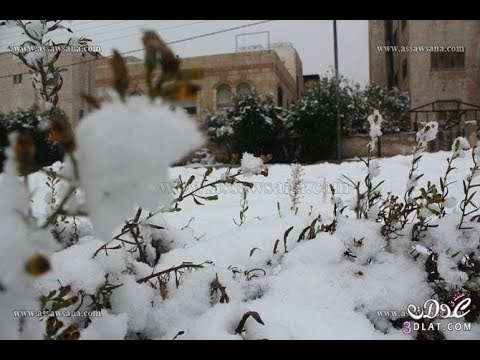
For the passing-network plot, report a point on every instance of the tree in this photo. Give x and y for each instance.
(314, 118)
(250, 125)
(392, 103)
(37, 125)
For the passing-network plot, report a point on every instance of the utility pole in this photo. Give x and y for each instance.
(337, 99)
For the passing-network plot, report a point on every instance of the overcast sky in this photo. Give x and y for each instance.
(313, 39)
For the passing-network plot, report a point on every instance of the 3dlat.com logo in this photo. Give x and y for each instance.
(432, 309)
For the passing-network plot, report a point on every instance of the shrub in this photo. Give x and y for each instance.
(37, 124)
(250, 125)
(314, 118)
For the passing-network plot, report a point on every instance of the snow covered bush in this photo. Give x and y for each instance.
(391, 102)
(36, 123)
(120, 176)
(136, 265)
(313, 118)
(126, 173)
(247, 112)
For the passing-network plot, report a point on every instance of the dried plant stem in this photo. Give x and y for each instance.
(174, 268)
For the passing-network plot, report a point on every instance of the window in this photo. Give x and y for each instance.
(243, 89)
(404, 68)
(191, 110)
(17, 79)
(224, 96)
(280, 96)
(447, 60)
(404, 24)
(80, 114)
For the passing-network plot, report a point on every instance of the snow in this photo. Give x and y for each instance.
(312, 291)
(374, 168)
(124, 151)
(459, 146)
(74, 266)
(428, 133)
(250, 164)
(36, 28)
(375, 121)
(18, 244)
(106, 327)
(135, 300)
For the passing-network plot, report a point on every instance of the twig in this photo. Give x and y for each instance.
(184, 265)
(57, 211)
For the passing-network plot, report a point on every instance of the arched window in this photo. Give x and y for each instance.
(280, 96)
(243, 89)
(224, 96)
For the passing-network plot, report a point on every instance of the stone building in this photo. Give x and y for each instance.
(436, 61)
(310, 80)
(16, 91)
(277, 71)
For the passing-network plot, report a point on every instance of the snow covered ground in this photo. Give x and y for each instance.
(309, 291)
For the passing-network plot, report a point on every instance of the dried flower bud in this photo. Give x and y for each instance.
(168, 61)
(24, 151)
(37, 265)
(180, 90)
(61, 133)
(120, 74)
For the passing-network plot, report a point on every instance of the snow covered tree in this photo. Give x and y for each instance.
(314, 118)
(250, 125)
(392, 103)
(36, 123)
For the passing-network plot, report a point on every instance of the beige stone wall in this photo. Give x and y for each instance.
(290, 58)
(424, 84)
(391, 145)
(427, 85)
(75, 82)
(377, 60)
(14, 96)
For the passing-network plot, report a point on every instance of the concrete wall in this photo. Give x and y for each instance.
(391, 144)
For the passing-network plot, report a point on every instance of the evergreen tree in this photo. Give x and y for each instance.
(314, 118)
(250, 125)
(38, 124)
